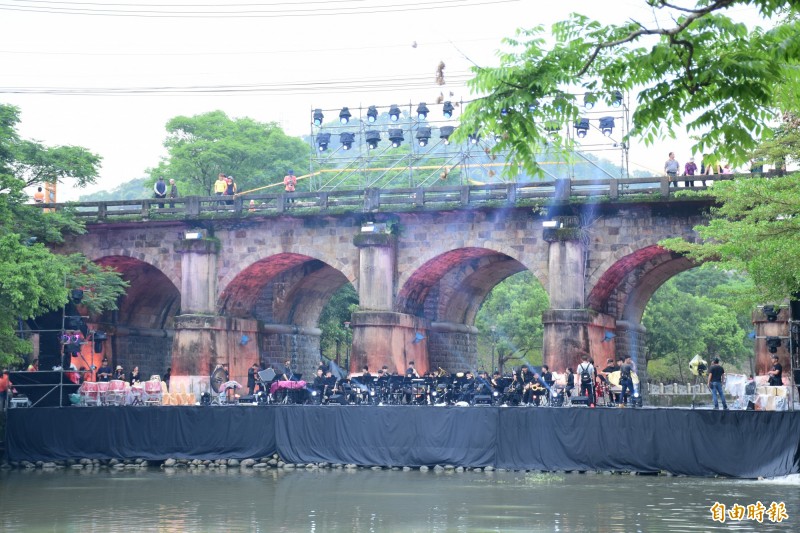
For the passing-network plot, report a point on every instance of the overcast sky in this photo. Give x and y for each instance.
(272, 60)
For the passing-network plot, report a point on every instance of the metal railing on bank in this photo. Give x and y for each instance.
(659, 188)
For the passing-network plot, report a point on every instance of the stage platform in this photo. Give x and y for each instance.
(743, 444)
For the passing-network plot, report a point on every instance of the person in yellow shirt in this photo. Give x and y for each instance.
(220, 185)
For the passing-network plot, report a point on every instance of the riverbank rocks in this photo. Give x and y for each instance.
(171, 464)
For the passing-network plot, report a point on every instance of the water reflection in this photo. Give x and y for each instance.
(380, 501)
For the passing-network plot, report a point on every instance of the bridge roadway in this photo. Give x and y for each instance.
(252, 286)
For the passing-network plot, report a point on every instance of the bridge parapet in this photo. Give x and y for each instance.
(655, 189)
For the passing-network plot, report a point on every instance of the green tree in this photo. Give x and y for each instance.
(336, 338)
(203, 146)
(514, 308)
(35, 280)
(754, 229)
(691, 314)
(701, 66)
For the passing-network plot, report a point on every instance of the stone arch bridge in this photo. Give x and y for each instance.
(213, 283)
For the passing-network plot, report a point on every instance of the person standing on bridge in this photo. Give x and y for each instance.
(173, 192)
(290, 183)
(160, 190)
(689, 170)
(671, 168)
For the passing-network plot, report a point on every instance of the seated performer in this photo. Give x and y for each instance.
(411, 371)
(547, 376)
(467, 388)
(319, 382)
(570, 382)
(287, 371)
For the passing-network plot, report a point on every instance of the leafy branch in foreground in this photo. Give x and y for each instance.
(724, 78)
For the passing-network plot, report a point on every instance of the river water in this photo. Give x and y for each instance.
(380, 501)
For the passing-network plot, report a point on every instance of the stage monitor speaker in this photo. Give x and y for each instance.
(266, 375)
(580, 400)
(482, 399)
(337, 399)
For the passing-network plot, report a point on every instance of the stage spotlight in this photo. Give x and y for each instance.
(636, 401)
(373, 138)
(396, 137)
(589, 100)
(99, 337)
(422, 111)
(76, 295)
(445, 132)
(473, 138)
(347, 140)
(447, 109)
(205, 399)
(582, 127)
(616, 98)
(318, 117)
(344, 115)
(607, 125)
(322, 141)
(773, 343)
(372, 114)
(394, 113)
(423, 136)
(770, 312)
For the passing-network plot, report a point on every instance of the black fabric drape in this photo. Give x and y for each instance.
(151, 433)
(697, 443)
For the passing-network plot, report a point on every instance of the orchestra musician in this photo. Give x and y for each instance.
(528, 380)
(411, 371)
(287, 371)
(467, 388)
(319, 382)
(547, 376)
(570, 380)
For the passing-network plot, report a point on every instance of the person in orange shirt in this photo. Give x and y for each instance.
(5, 385)
(38, 196)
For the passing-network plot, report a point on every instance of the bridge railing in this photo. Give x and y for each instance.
(449, 197)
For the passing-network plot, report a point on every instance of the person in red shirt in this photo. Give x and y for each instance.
(290, 183)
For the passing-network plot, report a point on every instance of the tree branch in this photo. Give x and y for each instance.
(694, 15)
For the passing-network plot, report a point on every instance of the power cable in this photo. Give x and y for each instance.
(258, 13)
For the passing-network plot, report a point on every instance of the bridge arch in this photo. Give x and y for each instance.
(285, 293)
(624, 289)
(141, 329)
(448, 291)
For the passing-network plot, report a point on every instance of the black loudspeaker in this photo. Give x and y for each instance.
(750, 405)
(482, 399)
(266, 375)
(248, 399)
(205, 399)
(337, 399)
(580, 400)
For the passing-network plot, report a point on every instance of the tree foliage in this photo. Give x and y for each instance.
(33, 279)
(754, 229)
(514, 308)
(203, 146)
(335, 336)
(691, 314)
(701, 67)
